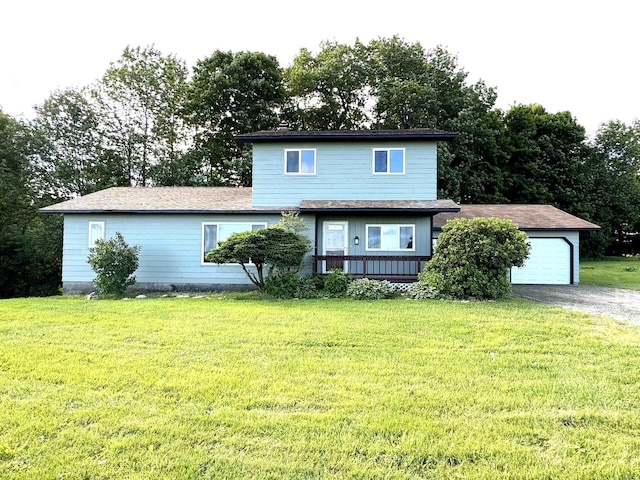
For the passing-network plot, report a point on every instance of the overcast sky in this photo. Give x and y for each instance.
(581, 56)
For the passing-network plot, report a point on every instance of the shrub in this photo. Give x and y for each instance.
(284, 285)
(366, 289)
(308, 287)
(275, 249)
(473, 257)
(114, 262)
(336, 283)
(422, 291)
(318, 280)
(291, 285)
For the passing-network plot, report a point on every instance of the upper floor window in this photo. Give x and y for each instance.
(96, 232)
(390, 237)
(388, 160)
(212, 233)
(301, 162)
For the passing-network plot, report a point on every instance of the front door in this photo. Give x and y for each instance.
(335, 242)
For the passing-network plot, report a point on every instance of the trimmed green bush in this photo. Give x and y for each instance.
(291, 285)
(114, 262)
(422, 291)
(273, 250)
(308, 287)
(366, 289)
(473, 256)
(284, 285)
(336, 283)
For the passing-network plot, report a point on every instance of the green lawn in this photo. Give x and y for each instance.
(621, 272)
(222, 388)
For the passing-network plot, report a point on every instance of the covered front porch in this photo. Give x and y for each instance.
(395, 268)
(375, 239)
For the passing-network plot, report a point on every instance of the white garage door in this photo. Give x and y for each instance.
(549, 263)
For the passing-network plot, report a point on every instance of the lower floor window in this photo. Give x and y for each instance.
(390, 237)
(212, 233)
(96, 232)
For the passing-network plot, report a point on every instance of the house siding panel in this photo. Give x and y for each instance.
(171, 247)
(343, 172)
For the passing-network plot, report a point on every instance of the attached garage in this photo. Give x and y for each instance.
(554, 236)
(549, 263)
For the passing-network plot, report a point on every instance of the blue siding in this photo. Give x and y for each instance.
(171, 247)
(343, 172)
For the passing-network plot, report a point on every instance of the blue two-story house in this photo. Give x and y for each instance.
(368, 198)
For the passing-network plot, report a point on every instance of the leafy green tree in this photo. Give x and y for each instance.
(69, 153)
(546, 159)
(614, 191)
(473, 256)
(619, 144)
(114, 262)
(231, 93)
(140, 97)
(400, 85)
(328, 91)
(30, 247)
(43, 242)
(16, 208)
(293, 221)
(270, 250)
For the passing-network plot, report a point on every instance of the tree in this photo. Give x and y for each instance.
(614, 190)
(547, 155)
(231, 93)
(328, 91)
(292, 221)
(140, 98)
(400, 87)
(114, 262)
(473, 256)
(16, 208)
(69, 153)
(269, 249)
(30, 247)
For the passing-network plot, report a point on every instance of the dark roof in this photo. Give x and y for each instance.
(164, 200)
(527, 217)
(415, 134)
(432, 206)
(223, 200)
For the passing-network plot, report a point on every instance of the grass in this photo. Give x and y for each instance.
(397, 389)
(620, 272)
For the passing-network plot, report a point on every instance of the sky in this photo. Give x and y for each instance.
(580, 56)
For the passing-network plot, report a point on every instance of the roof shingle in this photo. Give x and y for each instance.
(164, 200)
(527, 217)
(379, 205)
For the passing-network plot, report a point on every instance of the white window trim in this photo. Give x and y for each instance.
(315, 161)
(382, 225)
(388, 150)
(91, 224)
(202, 252)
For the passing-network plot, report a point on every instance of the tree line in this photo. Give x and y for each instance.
(149, 120)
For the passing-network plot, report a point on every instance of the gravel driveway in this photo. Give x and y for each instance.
(612, 302)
